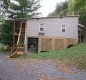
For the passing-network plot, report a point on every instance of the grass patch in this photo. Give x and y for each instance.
(79, 62)
(76, 53)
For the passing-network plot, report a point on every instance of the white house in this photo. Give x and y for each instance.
(45, 34)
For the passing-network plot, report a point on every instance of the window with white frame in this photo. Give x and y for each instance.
(41, 28)
(63, 28)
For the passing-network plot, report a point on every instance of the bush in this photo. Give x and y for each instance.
(2, 47)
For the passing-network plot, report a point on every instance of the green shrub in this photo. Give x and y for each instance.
(2, 47)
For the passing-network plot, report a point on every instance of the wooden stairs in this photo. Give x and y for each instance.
(18, 48)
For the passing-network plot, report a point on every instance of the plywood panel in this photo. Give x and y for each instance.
(71, 41)
(46, 44)
(59, 44)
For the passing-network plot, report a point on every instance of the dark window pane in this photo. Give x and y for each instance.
(41, 29)
(63, 26)
(63, 30)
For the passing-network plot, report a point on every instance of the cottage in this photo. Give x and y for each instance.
(44, 34)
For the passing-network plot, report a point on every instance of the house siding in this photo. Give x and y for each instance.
(52, 27)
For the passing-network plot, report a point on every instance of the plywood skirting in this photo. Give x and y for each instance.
(48, 44)
(59, 44)
(71, 41)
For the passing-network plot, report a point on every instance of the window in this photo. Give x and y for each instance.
(41, 30)
(63, 28)
(41, 27)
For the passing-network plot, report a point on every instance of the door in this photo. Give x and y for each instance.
(32, 45)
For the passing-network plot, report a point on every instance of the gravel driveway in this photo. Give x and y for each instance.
(29, 69)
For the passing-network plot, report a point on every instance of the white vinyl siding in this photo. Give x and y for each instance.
(52, 27)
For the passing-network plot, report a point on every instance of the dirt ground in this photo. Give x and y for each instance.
(34, 69)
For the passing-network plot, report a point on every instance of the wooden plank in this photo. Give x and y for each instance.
(19, 33)
(53, 43)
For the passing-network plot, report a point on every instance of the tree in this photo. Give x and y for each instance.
(61, 9)
(23, 8)
(80, 5)
(6, 33)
